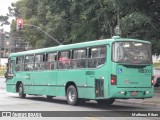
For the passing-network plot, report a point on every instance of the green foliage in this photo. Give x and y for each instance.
(3, 20)
(133, 22)
(72, 21)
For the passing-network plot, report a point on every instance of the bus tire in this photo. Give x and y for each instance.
(72, 95)
(21, 91)
(106, 102)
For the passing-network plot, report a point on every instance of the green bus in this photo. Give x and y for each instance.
(100, 70)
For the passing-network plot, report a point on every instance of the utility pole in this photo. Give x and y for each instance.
(43, 32)
(1, 45)
(118, 22)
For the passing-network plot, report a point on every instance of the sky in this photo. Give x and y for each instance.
(4, 4)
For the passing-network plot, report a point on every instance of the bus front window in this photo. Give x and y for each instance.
(132, 52)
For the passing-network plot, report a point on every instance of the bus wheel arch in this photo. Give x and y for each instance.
(20, 89)
(71, 93)
(68, 84)
(17, 85)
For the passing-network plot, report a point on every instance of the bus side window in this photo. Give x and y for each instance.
(64, 60)
(29, 63)
(97, 57)
(39, 62)
(50, 61)
(79, 59)
(102, 56)
(19, 63)
(92, 57)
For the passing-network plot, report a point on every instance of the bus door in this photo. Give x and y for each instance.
(10, 75)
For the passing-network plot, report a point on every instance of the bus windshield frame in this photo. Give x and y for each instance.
(131, 52)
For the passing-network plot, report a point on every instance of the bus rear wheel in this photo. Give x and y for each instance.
(72, 95)
(21, 91)
(106, 101)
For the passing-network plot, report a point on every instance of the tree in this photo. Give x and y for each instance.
(3, 21)
(72, 21)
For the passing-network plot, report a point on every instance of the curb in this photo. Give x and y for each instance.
(138, 103)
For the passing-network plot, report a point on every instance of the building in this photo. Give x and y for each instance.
(11, 43)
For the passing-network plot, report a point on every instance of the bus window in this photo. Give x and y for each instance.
(79, 59)
(39, 62)
(20, 63)
(10, 69)
(64, 60)
(29, 63)
(132, 53)
(50, 61)
(97, 57)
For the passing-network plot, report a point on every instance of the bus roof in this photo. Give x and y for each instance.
(76, 45)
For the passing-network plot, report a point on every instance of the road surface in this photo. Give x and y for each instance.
(58, 107)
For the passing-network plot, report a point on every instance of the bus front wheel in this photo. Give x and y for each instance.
(72, 95)
(21, 91)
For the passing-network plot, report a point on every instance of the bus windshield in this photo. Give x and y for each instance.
(132, 52)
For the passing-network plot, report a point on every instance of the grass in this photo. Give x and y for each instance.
(2, 71)
(157, 64)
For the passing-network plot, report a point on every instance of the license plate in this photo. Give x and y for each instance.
(134, 93)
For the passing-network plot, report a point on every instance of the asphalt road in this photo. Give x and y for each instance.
(157, 89)
(58, 107)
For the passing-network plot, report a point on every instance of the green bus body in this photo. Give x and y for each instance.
(129, 80)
